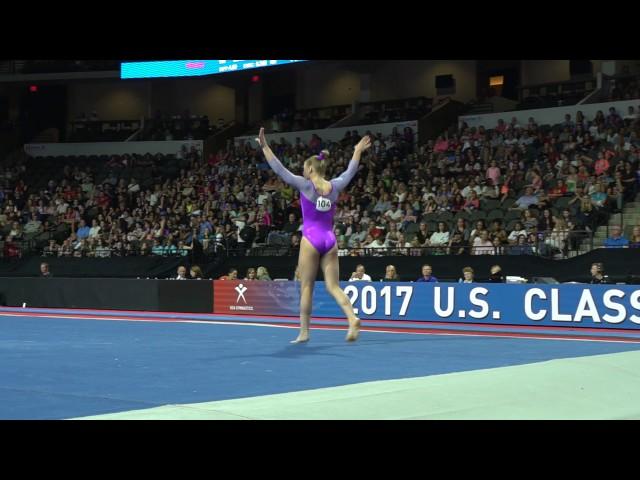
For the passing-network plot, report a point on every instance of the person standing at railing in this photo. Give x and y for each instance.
(440, 238)
(616, 239)
(457, 245)
(482, 245)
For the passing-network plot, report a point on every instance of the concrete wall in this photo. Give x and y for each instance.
(534, 72)
(132, 99)
(327, 84)
(415, 78)
(112, 100)
(202, 96)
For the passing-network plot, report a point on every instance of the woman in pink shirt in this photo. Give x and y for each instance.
(601, 166)
(442, 145)
(493, 173)
(473, 202)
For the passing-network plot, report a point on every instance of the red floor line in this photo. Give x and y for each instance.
(337, 320)
(424, 331)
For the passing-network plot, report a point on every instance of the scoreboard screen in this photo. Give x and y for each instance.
(193, 68)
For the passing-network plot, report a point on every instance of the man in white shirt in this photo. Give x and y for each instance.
(262, 197)
(133, 187)
(395, 213)
(359, 275)
(466, 191)
(95, 229)
(631, 115)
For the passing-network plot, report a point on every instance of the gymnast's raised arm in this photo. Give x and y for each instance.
(275, 164)
(343, 180)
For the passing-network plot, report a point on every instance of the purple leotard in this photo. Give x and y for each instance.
(317, 210)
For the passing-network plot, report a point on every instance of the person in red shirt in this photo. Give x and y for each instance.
(442, 145)
(559, 190)
(232, 275)
(602, 165)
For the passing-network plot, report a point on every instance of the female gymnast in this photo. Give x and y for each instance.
(318, 247)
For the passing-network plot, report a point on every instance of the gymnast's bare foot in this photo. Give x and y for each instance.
(354, 330)
(302, 338)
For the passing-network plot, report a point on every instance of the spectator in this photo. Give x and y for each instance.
(343, 251)
(482, 245)
(423, 235)
(546, 222)
(295, 243)
(472, 203)
(292, 225)
(251, 274)
(493, 173)
(462, 229)
(526, 200)
(101, 250)
(467, 275)
(597, 274)
(33, 226)
(390, 275)
(635, 238)
(440, 238)
(521, 247)
(557, 240)
(616, 239)
(457, 245)
(496, 275)
(195, 272)
(631, 114)
(517, 232)
(402, 246)
(529, 221)
(359, 275)
(232, 275)
(94, 231)
(182, 273)
(427, 274)
(263, 274)
(83, 230)
(44, 270)
(52, 249)
(374, 243)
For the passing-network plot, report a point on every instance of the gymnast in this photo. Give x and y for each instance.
(318, 247)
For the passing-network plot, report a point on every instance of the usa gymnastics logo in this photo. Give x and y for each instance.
(241, 289)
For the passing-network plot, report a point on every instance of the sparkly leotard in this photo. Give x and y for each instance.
(317, 210)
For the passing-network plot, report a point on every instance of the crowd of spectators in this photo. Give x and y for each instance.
(511, 189)
(626, 87)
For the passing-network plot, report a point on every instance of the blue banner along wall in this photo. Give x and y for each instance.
(580, 305)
